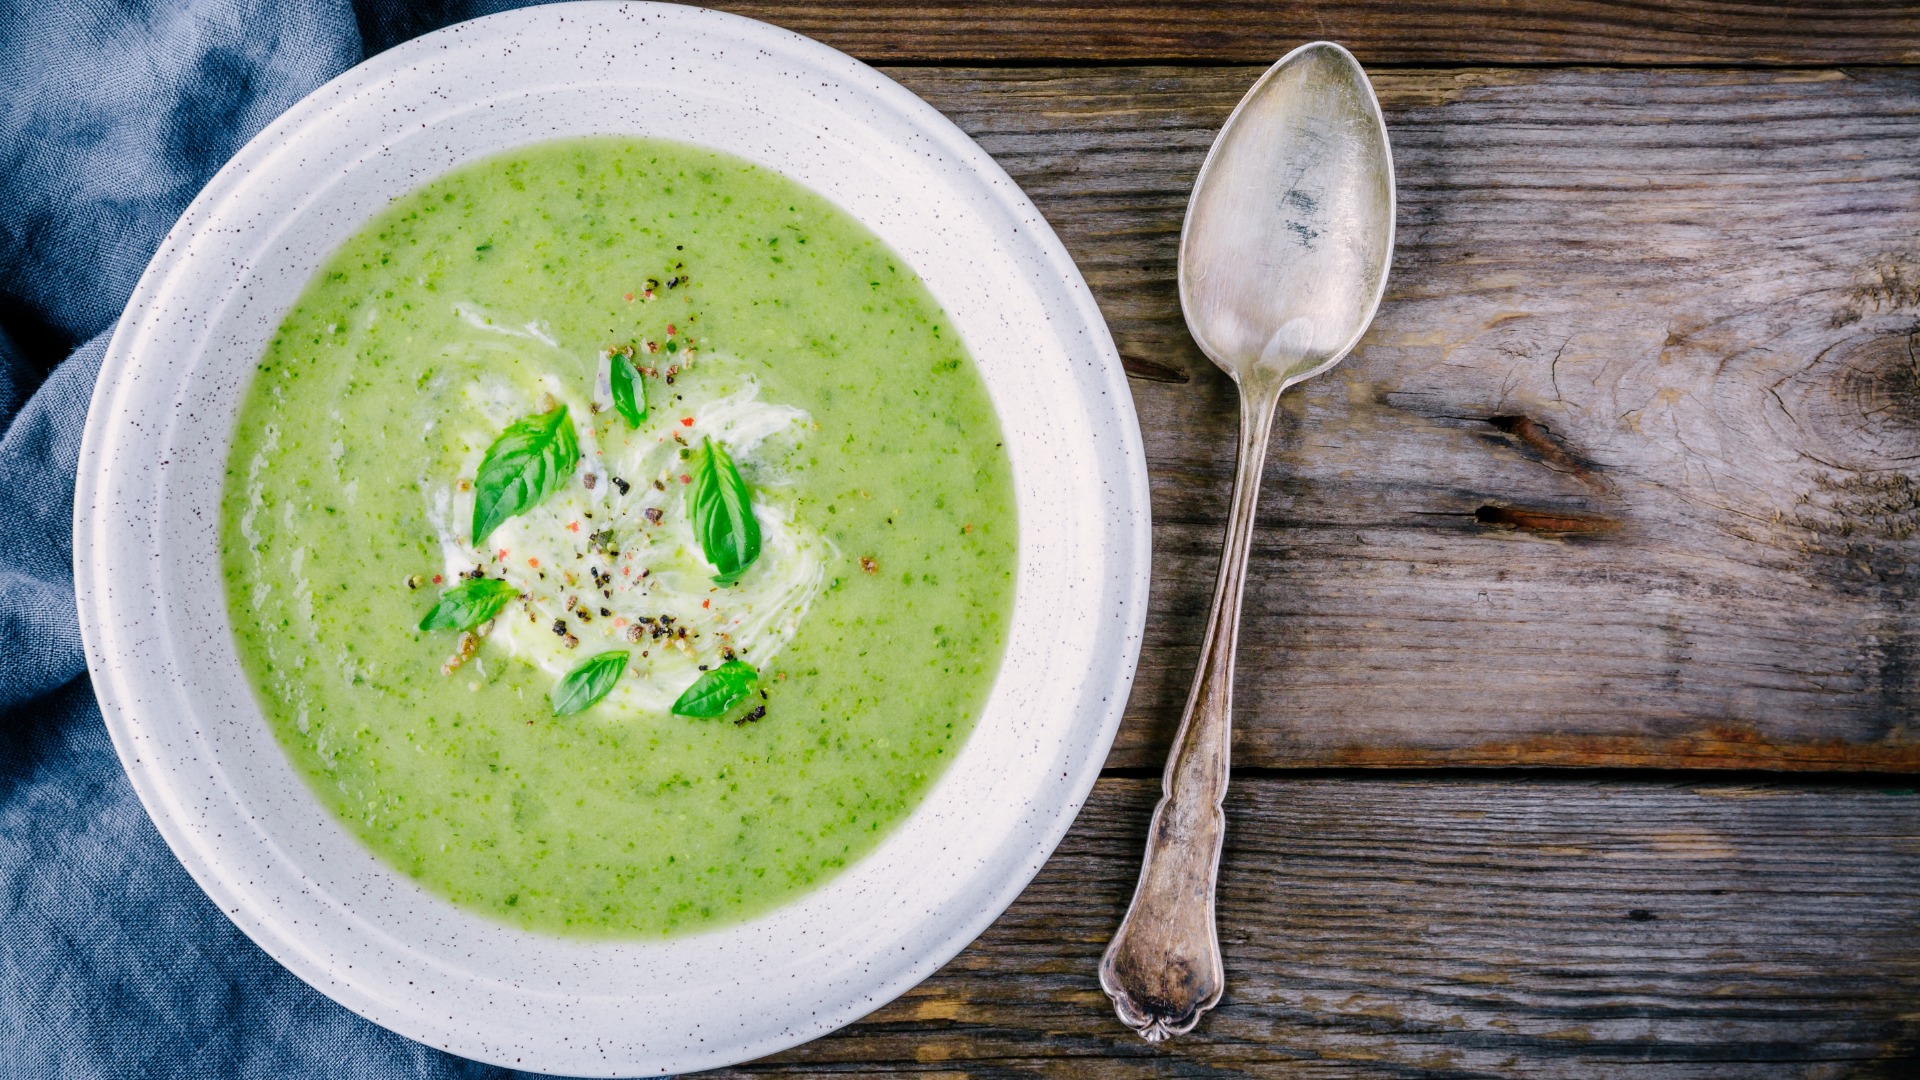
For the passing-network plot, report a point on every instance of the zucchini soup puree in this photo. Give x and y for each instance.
(618, 537)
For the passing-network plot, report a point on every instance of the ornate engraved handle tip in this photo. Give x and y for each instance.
(1157, 991)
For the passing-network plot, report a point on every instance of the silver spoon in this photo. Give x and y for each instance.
(1283, 260)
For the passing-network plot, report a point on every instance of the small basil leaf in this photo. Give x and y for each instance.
(629, 393)
(587, 683)
(528, 462)
(469, 604)
(721, 510)
(716, 691)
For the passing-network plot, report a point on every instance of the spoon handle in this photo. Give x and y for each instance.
(1163, 969)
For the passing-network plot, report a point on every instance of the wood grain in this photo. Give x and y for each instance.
(1627, 471)
(1461, 928)
(1408, 31)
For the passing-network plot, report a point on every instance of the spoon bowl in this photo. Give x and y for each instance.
(1283, 260)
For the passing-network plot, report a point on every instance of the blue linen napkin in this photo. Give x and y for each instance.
(113, 114)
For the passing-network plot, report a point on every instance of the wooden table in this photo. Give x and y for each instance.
(1580, 681)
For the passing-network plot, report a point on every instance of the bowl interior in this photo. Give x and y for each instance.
(153, 603)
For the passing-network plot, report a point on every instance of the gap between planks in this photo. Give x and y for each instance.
(1409, 31)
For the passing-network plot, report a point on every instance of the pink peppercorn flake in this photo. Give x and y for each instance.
(437, 579)
(686, 421)
(685, 479)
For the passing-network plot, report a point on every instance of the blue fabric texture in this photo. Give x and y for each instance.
(113, 115)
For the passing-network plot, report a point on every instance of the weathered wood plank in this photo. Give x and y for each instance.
(1409, 31)
(1461, 928)
(1627, 471)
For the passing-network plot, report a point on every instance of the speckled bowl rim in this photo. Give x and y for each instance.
(175, 729)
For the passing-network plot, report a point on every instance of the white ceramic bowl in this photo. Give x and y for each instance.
(153, 610)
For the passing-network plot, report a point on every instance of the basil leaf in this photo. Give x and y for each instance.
(469, 604)
(588, 683)
(629, 393)
(528, 462)
(721, 510)
(716, 691)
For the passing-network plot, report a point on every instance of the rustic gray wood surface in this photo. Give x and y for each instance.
(1462, 928)
(1624, 473)
(1627, 474)
(1795, 32)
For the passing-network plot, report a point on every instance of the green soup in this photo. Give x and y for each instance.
(756, 315)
